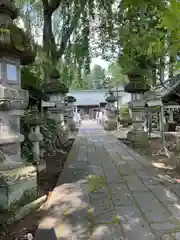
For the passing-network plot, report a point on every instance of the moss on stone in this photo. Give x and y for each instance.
(26, 198)
(4, 30)
(18, 38)
(96, 182)
(2, 157)
(17, 41)
(15, 211)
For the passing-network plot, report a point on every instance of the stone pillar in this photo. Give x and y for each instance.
(138, 136)
(15, 49)
(110, 118)
(57, 114)
(69, 111)
(35, 135)
(171, 115)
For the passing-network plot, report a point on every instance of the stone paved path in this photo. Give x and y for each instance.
(107, 191)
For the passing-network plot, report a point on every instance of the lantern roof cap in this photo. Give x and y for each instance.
(70, 99)
(14, 42)
(55, 86)
(55, 74)
(136, 87)
(111, 97)
(9, 7)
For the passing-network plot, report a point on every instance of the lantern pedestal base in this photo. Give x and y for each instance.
(71, 125)
(64, 133)
(18, 187)
(138, 138)
(110, 124)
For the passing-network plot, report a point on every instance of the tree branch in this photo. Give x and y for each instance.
(51, 6)
(54, 4)
(45, 4)
(67, 34)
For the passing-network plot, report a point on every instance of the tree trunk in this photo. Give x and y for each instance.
(48, 36)
(154, 77)
(171, 67)
(48, 44)
(162, 75)
(51, 54)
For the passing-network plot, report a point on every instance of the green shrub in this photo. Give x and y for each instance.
(49, 130)
(124, 115)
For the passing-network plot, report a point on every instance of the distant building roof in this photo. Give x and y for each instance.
(92, 97)
(89, 97)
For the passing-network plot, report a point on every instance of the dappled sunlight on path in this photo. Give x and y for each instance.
(107, 191)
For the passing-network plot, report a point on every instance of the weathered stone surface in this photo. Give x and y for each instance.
(102, 216)
(176, 235)
(163, 226)
(17, 182)
(175, 210)
(107, 232)
(124, 169)
(112, 176)
(105, 204)
(148, 177)
(17, 186)
(151, 207)
(121, 195)
(134, 183)
(163, 193)
(166, 237)
(134, 225)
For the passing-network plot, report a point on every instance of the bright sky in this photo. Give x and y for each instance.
(101, 62)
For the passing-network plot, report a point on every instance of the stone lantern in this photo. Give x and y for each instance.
(16, 49)
(138, 136)
(70, 107)
(35, 135)
(110, 119)
(56, 91)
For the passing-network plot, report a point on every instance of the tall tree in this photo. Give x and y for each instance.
(76, 30)
(97, 76)
(116, 75)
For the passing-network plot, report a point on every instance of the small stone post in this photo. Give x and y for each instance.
(35, 136)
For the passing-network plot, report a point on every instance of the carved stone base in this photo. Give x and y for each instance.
(63, 133)
(138, 138)
(17, 187)
(71, 125)
(110, 124)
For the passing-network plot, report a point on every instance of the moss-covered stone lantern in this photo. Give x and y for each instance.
(138, 136)
(16, 49)
(110, 119)
(56, 91)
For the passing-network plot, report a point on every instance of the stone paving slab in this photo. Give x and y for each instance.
(107, 232)
(108, 191)
(134, 225)
(151, 207)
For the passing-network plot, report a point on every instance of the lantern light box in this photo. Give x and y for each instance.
(9, 71)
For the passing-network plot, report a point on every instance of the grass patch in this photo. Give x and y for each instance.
(96, 183)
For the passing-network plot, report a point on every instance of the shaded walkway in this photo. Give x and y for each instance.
(107, 191)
